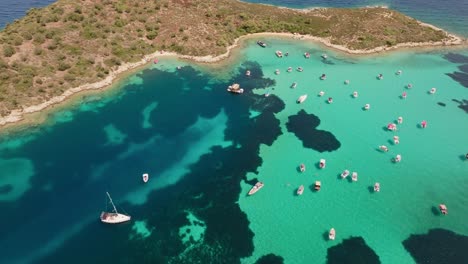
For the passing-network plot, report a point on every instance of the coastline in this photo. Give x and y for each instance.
(18, 115)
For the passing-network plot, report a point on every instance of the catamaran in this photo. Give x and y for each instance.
(113, 217)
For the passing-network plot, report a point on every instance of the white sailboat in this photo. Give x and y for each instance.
(113, 217)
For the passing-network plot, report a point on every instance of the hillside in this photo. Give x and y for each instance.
(73, 42)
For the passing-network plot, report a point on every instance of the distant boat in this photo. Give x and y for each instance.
(377, 187)
(391, 127)
(424, 124)
(367, 106)
(330, 100)
(322, 163)
(443, 209)
(279, 54)
(331, 234)
(400, 120)
(155, 61)
(235, 88)
(113, 217)
(261, 44)
(302, 167)
(301, 98)
(355, 94)
(307, 55)
(289, 69)
(277, 72)
(145, 177)
(346, 82)
(380, 76)
(294, 85)
(300, 190)
(324, 56)
(321, 93)
(397, 158)
(396, 140)
(256, 187)
(300, 69)
(354, 176)
(383, 148)
(317, 185)
(399, 72)
(247, 73)
(409, 86)
(345, 174)
(323, 76)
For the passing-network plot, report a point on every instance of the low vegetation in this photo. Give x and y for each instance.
(72, 42)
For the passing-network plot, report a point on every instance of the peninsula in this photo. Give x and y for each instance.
(71, 46)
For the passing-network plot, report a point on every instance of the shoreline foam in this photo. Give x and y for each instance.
(18, 115)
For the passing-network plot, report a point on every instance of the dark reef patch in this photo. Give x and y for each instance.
(456, 58)
(352, 250)
(462, 104)
(270, 259)
(227, 236)
(304, 126)
(442, 104)
(462, 75)
(439, 246)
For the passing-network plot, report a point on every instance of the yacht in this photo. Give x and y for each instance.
(145, 177)
(317, 185)
(367, 106)
(345, 174)
(331, 234)
(279, 54)
(256, 187)
(443, 209)
(397, 158)
(322, 163)
(324, 56)
(354, 176)
(300, 69)
(300, 190)
(377, 187)
(261, 44)
(302, 167)
(321, 93)
(113, 217)
(433, 91)
(396, 140)
(301, 98)
(383, 148)
(400, 120)
(355, 94)
(307, 55)
(235, 88)
(277, 72)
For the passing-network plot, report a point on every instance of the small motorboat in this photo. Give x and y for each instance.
(323, 76)
(261, 44)
(433, 91)
(279, 54)
(300, 69)
(330, 100)
(322, 163)
(145, 177)
(399, 72)
(383, 148)
(354, 176)
(331, 234)
(301, 98)
(235, 88)
(247, 73)
(397, 158)
(307, 55)
(155, 61)
(377, 187)
(366, 106)
(300, 190)
(267, 94)
(277, 72)
(400, 120)
(294, 85)
(346, 82)
(403, 95)
(321, 93)
(391, 127)
(324, 56)
(317, 185)
(380, 76)
(396, 140)
(256, 187)
(302, 167)
(409, 86)
(424, 124)
(355, 94)
(345, 174)
(289, 69)
(443, 209)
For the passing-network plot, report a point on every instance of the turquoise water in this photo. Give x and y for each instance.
(205, 148)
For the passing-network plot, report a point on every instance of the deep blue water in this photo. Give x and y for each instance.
(14, 9)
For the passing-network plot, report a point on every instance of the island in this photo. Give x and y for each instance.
(72, 46)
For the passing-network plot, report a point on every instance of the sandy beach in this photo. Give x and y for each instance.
(18, 115)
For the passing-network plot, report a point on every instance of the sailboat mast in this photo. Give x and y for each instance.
(110, 199)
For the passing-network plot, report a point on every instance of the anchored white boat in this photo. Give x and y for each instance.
(383, 148)
(302, 167)
(331, 234)
(433, 91)
(256, 187)
(321, 93)
(279, 54)
(398, 158)
(377, 187)
(300, 190)
(322, 163)
(113, 217)
(355, 94)
(367, 106)
(235, 88)
(145, 177)
(354, 176)
(301, 98)
(294, 85)
(345, 174)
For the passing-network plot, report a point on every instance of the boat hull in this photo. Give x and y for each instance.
(113, 218)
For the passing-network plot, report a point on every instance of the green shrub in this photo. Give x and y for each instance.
(8, 50)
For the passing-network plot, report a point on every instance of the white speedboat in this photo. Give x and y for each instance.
(145, 177)
(247, 73)
(321, 93)
(317, 185)
(383, 148)
(345, 174)
(391, 127)
(399, 72)
(377, 187)
(355, 94)
(113, 217)
(322, 163)
(397, 158)
(235, 88)
(307, 55)
(443, 209)
(400, 120)
(300, 190)
(367, 106)
(354, 176)
(396, 140)
(301, 98)
(433, 91)
(256, 187)
(302, 167)
(289, 69)
(279, 54)
(332, 234)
